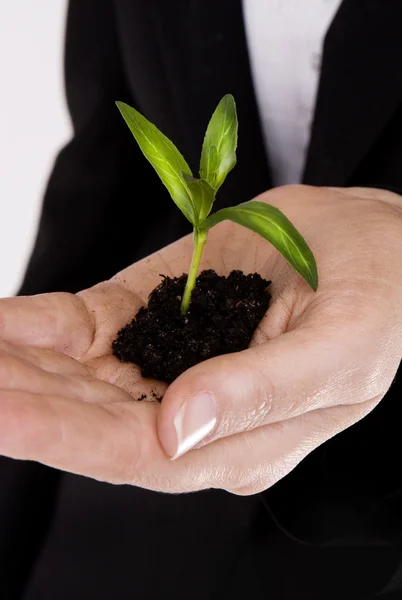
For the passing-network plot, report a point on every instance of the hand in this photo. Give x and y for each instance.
(317, 364)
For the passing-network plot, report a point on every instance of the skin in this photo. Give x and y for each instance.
(319, 362)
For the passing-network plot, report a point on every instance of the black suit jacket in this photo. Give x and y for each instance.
(330, 529)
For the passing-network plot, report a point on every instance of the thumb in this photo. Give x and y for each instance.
(292, 374)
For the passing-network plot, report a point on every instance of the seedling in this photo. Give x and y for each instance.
(195, 196)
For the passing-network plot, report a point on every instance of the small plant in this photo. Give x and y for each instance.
(195, 196)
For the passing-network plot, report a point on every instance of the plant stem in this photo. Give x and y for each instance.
(200, 237)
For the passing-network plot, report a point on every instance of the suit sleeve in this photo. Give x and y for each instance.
(86, 233)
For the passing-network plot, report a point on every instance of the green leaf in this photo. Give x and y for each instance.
(202, 195)
(218, 155)
(212, 163)
(163, 156)
(269, 222)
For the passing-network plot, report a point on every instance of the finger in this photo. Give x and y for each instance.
(254, 461)
(296, 372)
(44, 358)
(18, 373)
(57, 321)
(87, 439)
(118, 444)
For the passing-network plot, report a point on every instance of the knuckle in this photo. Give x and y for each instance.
(374, 380)
(258, 483)
(244, 491)
(246, 482)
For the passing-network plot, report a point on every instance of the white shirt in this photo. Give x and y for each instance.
(285, 40)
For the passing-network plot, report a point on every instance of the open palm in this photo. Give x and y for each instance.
(66, 401)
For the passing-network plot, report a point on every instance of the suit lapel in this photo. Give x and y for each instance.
(204, 55)
(360, 88)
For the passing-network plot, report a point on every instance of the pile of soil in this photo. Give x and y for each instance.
(223, 315)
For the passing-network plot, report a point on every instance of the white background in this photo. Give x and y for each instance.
(33, 122)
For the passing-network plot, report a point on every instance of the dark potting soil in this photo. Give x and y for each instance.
(223, 315)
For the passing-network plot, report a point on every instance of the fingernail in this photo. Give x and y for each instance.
(193, 422)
